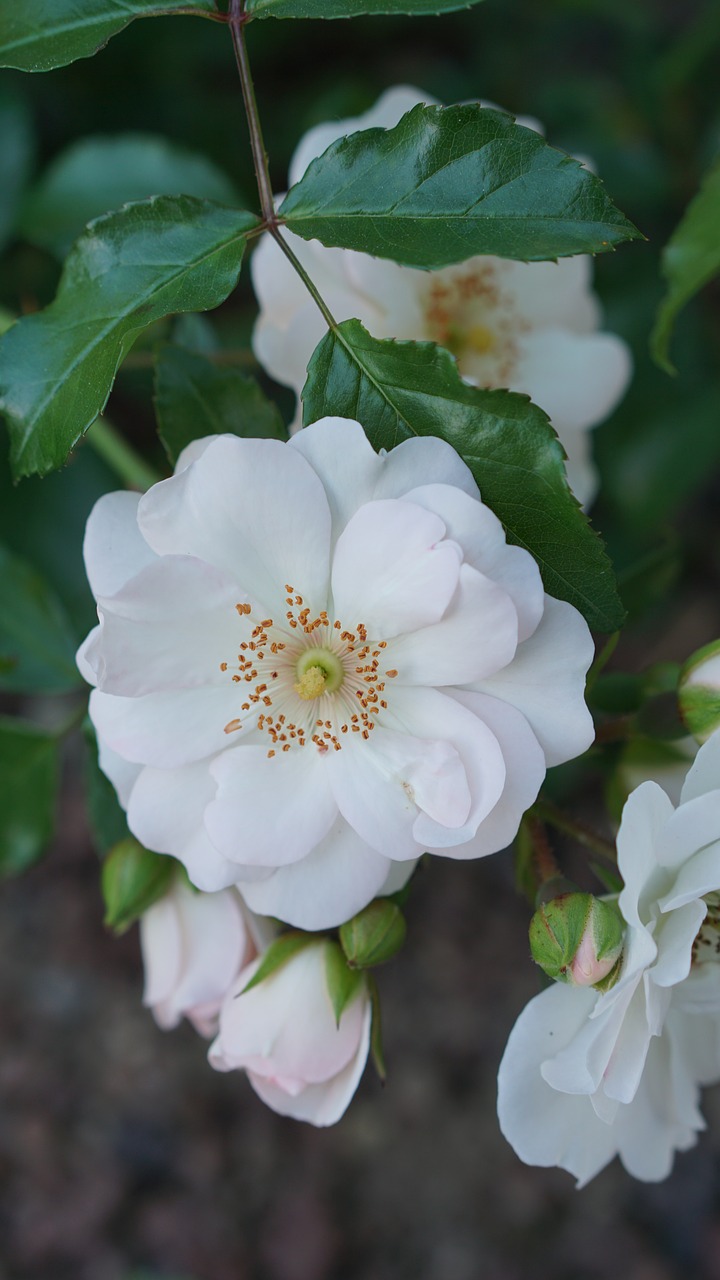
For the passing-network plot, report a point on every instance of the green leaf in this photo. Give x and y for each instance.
(350, 8)
(450, 182)
(195, 397)
(100, 174)
(690, 259)
(16, 154)
(37, 649)
(128, 269)
(401, 389)
(38, 35)
(28, 787)
(278, 954)
(132, 880)
(107, 818)
(343, 983)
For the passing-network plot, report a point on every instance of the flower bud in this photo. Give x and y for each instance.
(699, 691)
(578, 939)
(374, 935)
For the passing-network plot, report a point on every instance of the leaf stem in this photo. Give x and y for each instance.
(121, 457)
(548, 812)
(237, 18)
(297, 264)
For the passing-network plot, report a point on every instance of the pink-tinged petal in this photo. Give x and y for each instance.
(428, 712)
(476, 637)
(524, 766)
(161, 945)
(341, 454)
(269, 812)
(392, 571)
(170, 627)
(576, 378)
(482, 538)
(704, 774)
(215, 946)
(389, 109)
(546, 681)
(165, 813)
(543, 1126)
(646, 812)
(114, 548)
(336, 879)
(166, 729)
(122, 773)
(319, 1104)
(415, 462)
(256, 511)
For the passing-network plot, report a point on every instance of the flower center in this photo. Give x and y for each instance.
(469, 313)
(319, 671)
(707, 943)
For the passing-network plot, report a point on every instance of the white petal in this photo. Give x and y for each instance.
(170, 627)
(546, 681)
(582, 474)
(336, 879)
(319, 1104)
(554, 295)
(114, 548)
(699, 875)
(389, 109)
(256, 511)
(646, 811)
(165, 729)
(269, 812)
(165, 813)
(161, 945)
(341, 455)
(87, 656)
(482, 538)
(675, 936)
(122, 773)
(216, 946)
(576, 378)
(476, 637)
(392, 571)
(704, 774)
(524, 765)
(420, 461)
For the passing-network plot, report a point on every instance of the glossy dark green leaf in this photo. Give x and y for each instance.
(28, 787)
(278, 953)
(351, 8)
(195, 397)
(132, 880)
(691, 258)
(343, 983)
(38, 35)
(99, 174)
(450, 182)
(17, 147)
(127, 270)
(37, 649)
(400, 389)
(107, 818)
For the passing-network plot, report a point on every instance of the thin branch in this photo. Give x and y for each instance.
(546, 811)
(237, 19)
(108, 443)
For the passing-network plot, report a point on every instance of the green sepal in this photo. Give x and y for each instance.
(558, 927)
(133, 879)
(278, 953)
(376, 1041)
(374, 935)
(343, 983)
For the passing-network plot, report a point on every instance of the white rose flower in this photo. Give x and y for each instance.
(588, 1076)
(284, 1033)
(314, 663)
(529, 326)
(193, 947)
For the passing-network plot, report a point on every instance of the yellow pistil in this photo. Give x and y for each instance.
(480, 339)
(311, 684)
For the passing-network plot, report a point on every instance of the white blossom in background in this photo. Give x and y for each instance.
(284, 1034)
(528, 326)
(314, 663)
(193, 947)
(588, 1076)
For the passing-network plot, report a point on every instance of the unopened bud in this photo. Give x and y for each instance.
(373, 935)
(578, 939)
(699, 691)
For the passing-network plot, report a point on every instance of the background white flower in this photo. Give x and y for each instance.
(193, 947)
(284, 1033)
(314, 663)
(587, 1076)
(529, 326)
